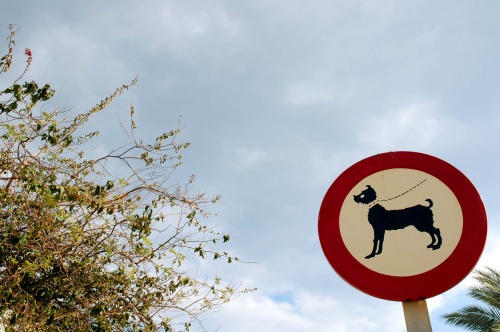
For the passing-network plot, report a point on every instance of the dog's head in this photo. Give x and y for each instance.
(366, 196)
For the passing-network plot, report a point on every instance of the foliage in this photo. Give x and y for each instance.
(480, 318)
(83, 249)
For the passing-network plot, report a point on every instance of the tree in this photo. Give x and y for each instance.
(84, 249)
(476, 317)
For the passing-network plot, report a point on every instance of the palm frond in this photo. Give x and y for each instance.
(474, 318)
(488, 290)
(480, 318)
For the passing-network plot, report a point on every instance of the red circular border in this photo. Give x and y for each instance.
(408, 288)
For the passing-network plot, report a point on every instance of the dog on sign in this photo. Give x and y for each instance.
(381, 219)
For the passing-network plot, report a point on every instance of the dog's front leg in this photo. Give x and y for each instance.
(380, 242)
(373, 251)
(375, 244)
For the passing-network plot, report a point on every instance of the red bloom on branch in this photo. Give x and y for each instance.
(27, 51)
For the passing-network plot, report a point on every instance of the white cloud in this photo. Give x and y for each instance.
(76, 51)
(306, 312)
(435, 303)
(415, 126)
(305, 93)
(247, 158)
(327, 165)
(181, 28)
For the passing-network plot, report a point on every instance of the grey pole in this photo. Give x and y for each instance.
(417, 316)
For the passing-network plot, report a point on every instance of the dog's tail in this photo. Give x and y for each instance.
(430, 202)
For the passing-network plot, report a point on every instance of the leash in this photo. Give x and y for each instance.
(390, 199)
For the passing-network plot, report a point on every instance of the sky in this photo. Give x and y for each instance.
(278, 98)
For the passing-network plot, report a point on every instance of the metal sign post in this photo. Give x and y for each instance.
(417, 316)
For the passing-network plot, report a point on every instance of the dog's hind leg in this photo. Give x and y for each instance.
(433, 237)
(439, 239)
(435, 234)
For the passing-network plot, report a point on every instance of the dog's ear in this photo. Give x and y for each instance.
(368, 186)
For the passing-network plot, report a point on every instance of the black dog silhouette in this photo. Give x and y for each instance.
(383, 220)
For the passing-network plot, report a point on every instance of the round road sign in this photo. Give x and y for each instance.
(402, 226)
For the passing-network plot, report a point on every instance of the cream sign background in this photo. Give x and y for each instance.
(405, 251)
